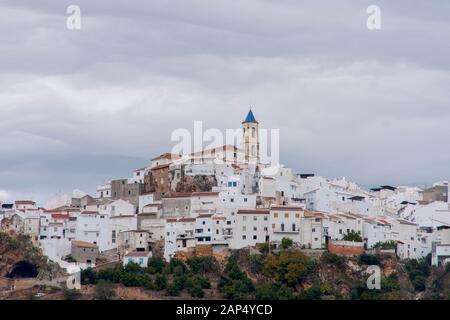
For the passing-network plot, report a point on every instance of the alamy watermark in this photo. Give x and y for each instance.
(235, 145)
(73, 21)
(374, 280)
(374, 19)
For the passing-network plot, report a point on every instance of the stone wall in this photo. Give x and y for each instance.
(347, 248)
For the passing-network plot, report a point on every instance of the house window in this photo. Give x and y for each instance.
(286, 215)
(255, 218)
(282, 227)
(273, 225)
(297, 215)
(265, 218)
(244, 228)
(293, 227)
(244, 237)
(244, 218)
(275, 215)
(254, 237)
(255, 229)
(313, 229)
(245, 199)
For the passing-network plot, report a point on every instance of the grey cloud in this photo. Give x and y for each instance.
(78, 107)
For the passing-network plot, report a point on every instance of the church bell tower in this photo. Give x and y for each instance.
(250, 142)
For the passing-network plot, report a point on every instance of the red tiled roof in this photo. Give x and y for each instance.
(60, 216)
(198, 194)
(254, 211)
(286, 208)
(24, 202)
(168, 156)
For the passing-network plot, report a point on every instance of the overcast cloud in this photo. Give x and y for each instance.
(81, 107)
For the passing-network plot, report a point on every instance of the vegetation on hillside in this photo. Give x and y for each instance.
(282, 274)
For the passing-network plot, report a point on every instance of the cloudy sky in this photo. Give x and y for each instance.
(79, 107)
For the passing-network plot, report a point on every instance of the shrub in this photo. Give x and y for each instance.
(202, 264)
(334, 259)
(234, 284)
(369, 259)
(155, 265)
(88, 276)
(256, 263)
(172, 290)
(313, 293)
(289, 267)
(274, 291)
(177, 266)
(353, 236)
(286, 243)
(418, 271)
(104, 291)
(385, 245)
(195, 289)
(418, 283)
(161, 282)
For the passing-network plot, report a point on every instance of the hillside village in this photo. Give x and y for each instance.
(225, 198)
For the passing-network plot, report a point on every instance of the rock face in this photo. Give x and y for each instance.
(19, 258)
(196, 184)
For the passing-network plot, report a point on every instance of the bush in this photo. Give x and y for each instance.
(132, 267)
(195, 289)
(155, 265)
(88, 276)
(385, 245)
(418, 283)
(353, 236)
(313, 293)
(104, 291)
(289, 267)
(274, 291)
(180, 281)
(177, 266)
(161, 282)
(234, 284)
(333, 259)
(369, 259)
(202, 264)
(172, 290)
(418, 271)
(256, 263)
(286, 243)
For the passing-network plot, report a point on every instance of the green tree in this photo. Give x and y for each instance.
(369, 259)
(353, 236)
(274, 291)
(286, 243)
(202, 264)
(161, 282)
(385, 245)
(88, 276)
(155, 265)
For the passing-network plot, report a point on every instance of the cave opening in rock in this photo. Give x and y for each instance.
(23, 269)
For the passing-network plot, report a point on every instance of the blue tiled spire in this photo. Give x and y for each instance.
(250, 117)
